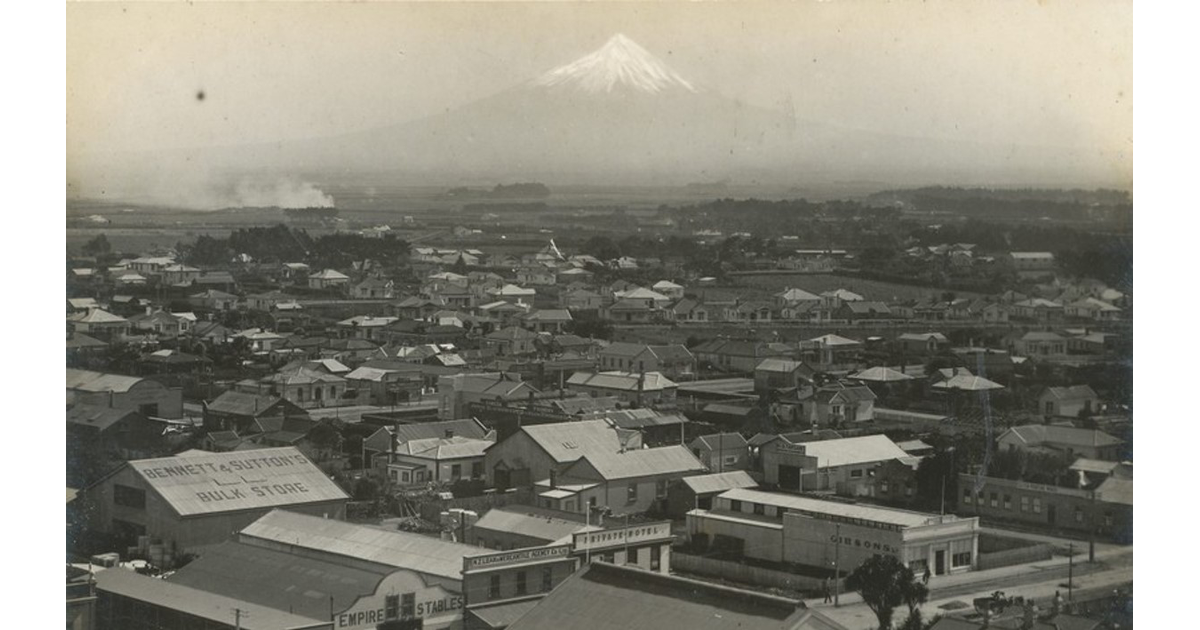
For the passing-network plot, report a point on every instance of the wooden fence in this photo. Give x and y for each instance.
(744, 574)
(1020, 555)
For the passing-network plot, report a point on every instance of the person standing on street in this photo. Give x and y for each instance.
(927, 576)
(825, 587)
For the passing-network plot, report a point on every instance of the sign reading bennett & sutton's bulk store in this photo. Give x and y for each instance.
(199, 482)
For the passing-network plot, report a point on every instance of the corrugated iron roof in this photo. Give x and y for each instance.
(606, 597)
(568, 441)
(88, 381)
(533, 522)
(390, 548)
(209, 483)
(902, 518)
(647, 462)
(719, 482)
(199, 603)
(277, 579)
(855, 450)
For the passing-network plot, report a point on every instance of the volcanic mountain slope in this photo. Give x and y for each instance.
(617, 115)
(616, 109)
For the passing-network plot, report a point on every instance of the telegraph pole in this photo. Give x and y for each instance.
(837, 564)
(1070, 572)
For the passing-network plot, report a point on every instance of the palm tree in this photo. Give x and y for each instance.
(884, 583)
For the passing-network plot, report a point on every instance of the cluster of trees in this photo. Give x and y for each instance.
(884, 584)
(280, 243)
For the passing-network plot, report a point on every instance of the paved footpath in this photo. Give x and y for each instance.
(1037, 580)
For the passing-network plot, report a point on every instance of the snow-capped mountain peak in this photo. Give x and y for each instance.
(620, 62)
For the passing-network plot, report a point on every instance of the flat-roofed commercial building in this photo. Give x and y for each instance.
(201, 498)
(785, 528)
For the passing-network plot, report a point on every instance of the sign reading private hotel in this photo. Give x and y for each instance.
(506, 558)
(197, 481)
(620, 536)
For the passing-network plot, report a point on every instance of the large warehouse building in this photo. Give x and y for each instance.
(200, 498)
(787, 528)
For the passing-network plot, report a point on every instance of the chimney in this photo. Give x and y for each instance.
(553, 478)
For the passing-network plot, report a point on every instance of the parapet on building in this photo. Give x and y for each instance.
(794, 529)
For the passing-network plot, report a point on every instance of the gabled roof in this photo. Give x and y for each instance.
(440, 448)
(98, 417)
(243, 404)
(722, 441)
(930, 336)
(99, 316)
(405, 550)
(547, 525)
(88, 381)
(719, 482)
(646, 462)
(833, 341)
(851, 451)
(468, 428)
(568, 441)
(782, 366)
(797, 295)
(278, 579)
(624, 381)
(329, 274)
(642, 418)
(218, 609)
(1073, 392)
(623, 349)
(186, 482)
(603, 596)
(1035, 434)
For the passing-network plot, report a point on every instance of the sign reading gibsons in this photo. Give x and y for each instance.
(517, 556)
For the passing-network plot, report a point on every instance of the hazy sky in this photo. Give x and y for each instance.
(1051, 73)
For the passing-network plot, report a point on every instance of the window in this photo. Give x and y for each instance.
(632, 556)
(476, 470)
(961, 559)
(994, 500)
(730, 460)
(1037, 505)
(521, 586)
(1008, 501)
(391, 606)
(547, 579)
(759, 509)
(857, 473)
(655, 558)
(129, 497)
(967, 496)
(1078, 515)
(735, 505)
(883, 487)
(660, 488)
(494, 587)
(1049, 409)
(631, 493)
(455, 471)
(408, 606)
(1024, 504)
(1108, 519)
(908, 490)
